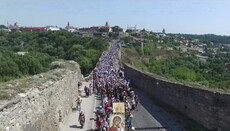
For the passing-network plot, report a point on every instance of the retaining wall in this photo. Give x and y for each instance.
(209, 108)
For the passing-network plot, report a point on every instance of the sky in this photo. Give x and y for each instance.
(176, 16)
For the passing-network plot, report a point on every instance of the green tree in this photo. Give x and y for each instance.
(3, 27)
(117, 29)
(127, 39)
(129, 31)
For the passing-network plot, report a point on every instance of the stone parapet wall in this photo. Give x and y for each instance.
(42, 108)
(208, 108)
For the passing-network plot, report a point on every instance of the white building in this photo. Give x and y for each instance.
(70, 28)
(52, 28)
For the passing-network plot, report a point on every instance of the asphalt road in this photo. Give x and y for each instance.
(147, 117)
(150, 117)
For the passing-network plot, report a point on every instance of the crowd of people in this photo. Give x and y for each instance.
(109, 83)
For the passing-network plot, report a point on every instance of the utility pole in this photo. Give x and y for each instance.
(142, 48)
(119, 54)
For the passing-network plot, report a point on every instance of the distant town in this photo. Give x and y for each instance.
(185, 44)
(85, 31)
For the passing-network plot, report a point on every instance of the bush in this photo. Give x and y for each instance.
(15, 66)
(184, 73)
(127, 39)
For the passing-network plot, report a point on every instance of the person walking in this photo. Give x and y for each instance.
(79, 101)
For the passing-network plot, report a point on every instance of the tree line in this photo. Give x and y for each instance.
(207, 38)
(43, 48)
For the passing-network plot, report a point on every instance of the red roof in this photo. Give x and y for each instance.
(34, 29)
(84, 29)
(94, 27)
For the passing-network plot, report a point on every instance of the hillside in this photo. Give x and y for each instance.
(208, 38)
(164, 56)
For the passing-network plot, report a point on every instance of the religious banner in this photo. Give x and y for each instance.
(118, 107)
(117, 122)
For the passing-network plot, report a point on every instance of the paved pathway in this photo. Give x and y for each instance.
(88, 105)
(150, 117)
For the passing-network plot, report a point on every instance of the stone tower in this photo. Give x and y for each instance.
(106, 24)
(163, 31)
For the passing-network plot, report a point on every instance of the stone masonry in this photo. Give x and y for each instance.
(208, 108)
(42, 108)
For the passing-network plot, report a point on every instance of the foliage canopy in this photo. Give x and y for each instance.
(43, 48)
